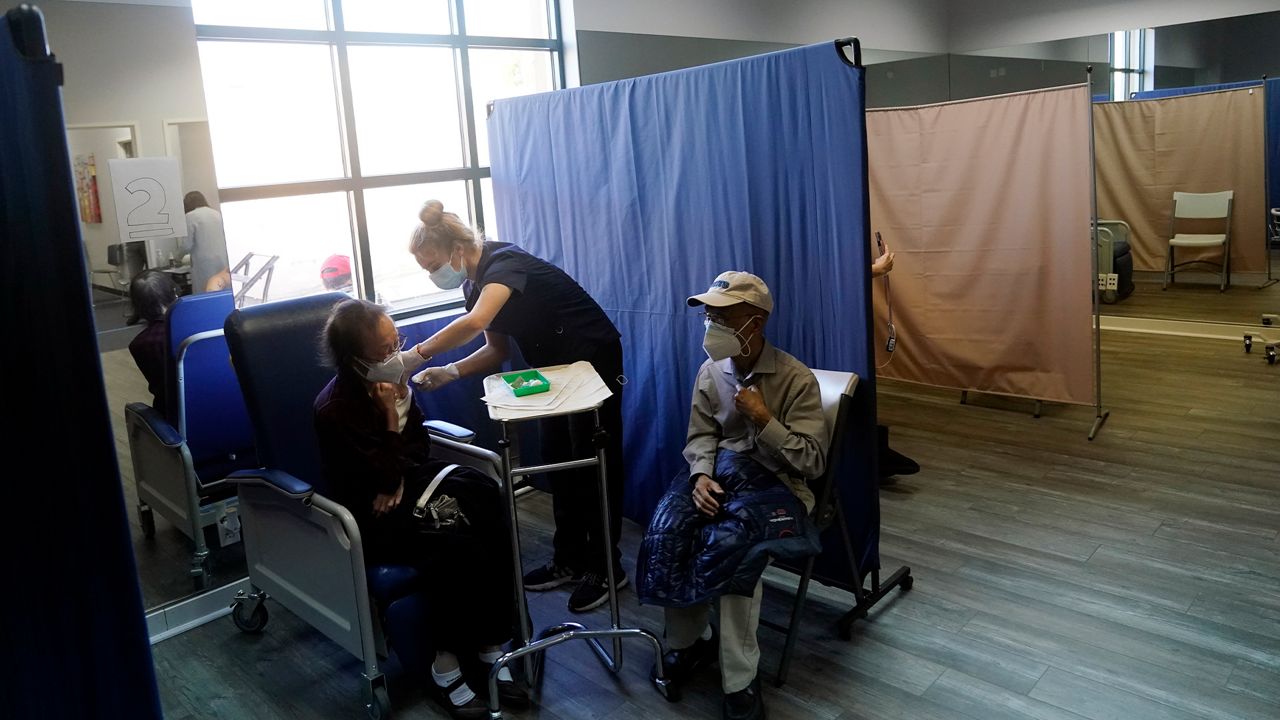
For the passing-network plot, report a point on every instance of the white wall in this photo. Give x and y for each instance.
(912, 25)
(193, 146)
(128, 64)
(103, 143)
(1000, 23)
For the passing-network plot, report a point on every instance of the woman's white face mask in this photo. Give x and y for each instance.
(392, 370)
(722, 342)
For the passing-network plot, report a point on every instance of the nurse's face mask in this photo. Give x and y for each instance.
(447, 277)
(721, 341)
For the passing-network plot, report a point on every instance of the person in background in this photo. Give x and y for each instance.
(335, 274)
(892, 462)
(376, 456)
(511, 294)
(206, 243)
(153, 292)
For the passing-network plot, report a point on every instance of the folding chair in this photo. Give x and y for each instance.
(837, 390)
(1201, 206)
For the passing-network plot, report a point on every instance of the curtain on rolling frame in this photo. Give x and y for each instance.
(645, 189)
(987, 205)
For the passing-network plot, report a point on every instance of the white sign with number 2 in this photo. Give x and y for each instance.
(148, 195)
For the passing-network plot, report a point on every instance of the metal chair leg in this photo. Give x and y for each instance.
(1226, 268)
(1168, 268)
(793, 628)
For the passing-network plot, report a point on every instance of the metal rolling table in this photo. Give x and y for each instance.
(530, 648)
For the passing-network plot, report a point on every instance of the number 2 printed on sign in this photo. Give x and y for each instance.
(147, 218)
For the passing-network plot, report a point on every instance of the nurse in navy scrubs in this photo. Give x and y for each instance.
(512, 295)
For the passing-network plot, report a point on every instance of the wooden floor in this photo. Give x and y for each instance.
(1242, 304)
(163, 560)
(1134, 577)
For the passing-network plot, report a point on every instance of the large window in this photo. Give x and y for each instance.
(334, 120)
(1132, 62)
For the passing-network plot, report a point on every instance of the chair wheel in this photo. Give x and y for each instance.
(147, 520)
(254, 622)
(1248, 343)
(907, 583)
(1271, 356)
(380, 708)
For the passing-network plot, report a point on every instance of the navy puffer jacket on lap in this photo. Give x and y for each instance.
(689, 558)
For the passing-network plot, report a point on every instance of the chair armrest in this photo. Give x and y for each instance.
(278, 480)
(443, 429)
(155, 422)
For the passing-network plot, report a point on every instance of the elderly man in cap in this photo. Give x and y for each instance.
(756, 436)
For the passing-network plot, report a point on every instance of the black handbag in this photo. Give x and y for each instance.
(436, 515)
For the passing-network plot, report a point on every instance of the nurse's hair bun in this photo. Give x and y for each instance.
(432, 213)
(440, 230)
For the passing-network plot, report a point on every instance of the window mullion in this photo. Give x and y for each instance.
(469, 116)
(364, 253)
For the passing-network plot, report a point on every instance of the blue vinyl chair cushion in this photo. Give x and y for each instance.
(217, 421)
(388, 583)
(282, 481)
(275, 346)
(450, 430)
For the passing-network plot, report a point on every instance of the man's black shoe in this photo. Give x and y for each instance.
(746, 704)
(679, 666)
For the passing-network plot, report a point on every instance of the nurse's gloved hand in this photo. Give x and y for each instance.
(434, 378)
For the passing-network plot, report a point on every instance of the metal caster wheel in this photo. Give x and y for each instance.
(907, 583)
(1271, 356)
(380, 708)
(252, 622)
(147, 520)
(1248, 343)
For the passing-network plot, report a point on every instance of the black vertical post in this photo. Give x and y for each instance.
(72, 621)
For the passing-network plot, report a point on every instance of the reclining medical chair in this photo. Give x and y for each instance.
(303, 550)
(837, 389)
(1115, 257)
(181, 454)
(1201, 206)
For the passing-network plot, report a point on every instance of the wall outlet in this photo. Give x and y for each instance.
(1113, 282)
(1102, 281)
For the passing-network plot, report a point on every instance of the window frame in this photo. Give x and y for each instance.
(338, 39)
(1131, 53)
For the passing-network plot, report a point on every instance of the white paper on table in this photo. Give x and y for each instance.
(582, 388)
(562, 378)
(498, 393)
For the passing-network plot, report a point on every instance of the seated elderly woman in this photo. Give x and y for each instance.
(153, 293)
(377, 460)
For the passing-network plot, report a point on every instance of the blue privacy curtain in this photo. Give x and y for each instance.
(645, 189)
(73, 629)
(1272, 90)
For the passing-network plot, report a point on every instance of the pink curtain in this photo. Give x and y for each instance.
(986, 204)
(1148, 149)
